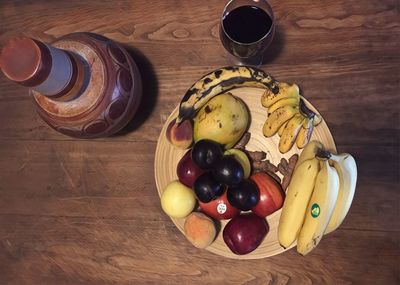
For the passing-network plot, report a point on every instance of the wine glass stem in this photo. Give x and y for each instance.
(251, 61)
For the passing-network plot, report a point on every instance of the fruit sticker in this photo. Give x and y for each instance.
(315, 210)
(221, 208)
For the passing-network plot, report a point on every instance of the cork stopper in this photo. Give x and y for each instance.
(25, 61)
(51, 71)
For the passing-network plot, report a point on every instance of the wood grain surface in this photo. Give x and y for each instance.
(88, 212)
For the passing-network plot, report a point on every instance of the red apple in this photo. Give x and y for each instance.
(271, 195)
(244, 233)
(219, 208)
(187, 170)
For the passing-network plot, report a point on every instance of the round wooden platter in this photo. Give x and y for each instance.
(167, 158)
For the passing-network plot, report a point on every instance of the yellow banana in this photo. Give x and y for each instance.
(310, 151)
(317, 120)
(319, 209)
(290, 133)
(309, 113)
(293, 101)
(297, 197)
(346, 168)
(286, 91)
(305, 133)
(282, 128)
(278, 118)
(219, 81)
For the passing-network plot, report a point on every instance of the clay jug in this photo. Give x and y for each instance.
(83, 85)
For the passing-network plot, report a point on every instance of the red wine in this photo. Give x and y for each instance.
(247, 24)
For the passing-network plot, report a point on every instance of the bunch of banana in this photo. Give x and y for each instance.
(318, 197)
(288, 116)
(181, 131)
(219, 81)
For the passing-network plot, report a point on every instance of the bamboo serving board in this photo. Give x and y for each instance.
(167, 158)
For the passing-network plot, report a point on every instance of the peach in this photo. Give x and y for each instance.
(200, 230)
(180, 135)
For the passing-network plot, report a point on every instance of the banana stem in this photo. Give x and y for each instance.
(180, 120)
(305, 110)
(337, 158)
(323, 154)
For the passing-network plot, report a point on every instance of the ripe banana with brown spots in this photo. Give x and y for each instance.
(219, 81)
(293, 101)
(305, 133)
(290, 133)
(300, 129)
(317, 119)
(281, 129)
(286, 91)
(278, 118)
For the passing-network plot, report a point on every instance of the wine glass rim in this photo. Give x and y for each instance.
(252, 43)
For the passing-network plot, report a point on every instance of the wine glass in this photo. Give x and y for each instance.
(246, 30)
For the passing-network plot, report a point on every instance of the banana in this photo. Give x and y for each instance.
(305, 133)
(297, 197)
(319, 209)
(310, 151)
(282, 128)
(219, 81)
(309, 113)
(294, 101)
(290, 133)
(346, 168)
(286, 91)
(278, 118)
(317, 119)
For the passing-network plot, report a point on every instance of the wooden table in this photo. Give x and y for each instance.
(87, 211)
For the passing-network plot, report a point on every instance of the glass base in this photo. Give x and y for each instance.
(255, 61)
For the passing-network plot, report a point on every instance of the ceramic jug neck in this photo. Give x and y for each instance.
(53, 72)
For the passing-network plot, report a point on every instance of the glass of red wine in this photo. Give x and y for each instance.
(246, 30)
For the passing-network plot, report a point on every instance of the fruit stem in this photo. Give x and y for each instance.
(335, 157)
(305, 110)
(323, 154)
(178, 121)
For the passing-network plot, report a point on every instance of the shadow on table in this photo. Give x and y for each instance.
(150, 91)
(276, 47)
